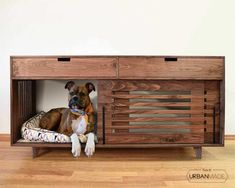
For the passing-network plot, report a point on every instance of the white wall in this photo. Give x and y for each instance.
(117, 27)
(52, 94)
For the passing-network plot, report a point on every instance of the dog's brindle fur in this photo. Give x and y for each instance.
(60, 119)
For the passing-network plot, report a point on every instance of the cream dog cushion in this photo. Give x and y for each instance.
(31, 131)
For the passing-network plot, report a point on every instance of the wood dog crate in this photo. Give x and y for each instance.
(143, 101)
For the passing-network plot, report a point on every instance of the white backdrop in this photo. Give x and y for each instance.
(117, 27)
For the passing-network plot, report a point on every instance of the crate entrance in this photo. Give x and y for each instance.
(33, 96)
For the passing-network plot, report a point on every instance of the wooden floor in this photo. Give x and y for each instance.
(163, 167)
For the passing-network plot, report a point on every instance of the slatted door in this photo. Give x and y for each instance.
(153, 111)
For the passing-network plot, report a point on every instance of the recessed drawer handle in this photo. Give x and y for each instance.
(63, 59)
(170, 59)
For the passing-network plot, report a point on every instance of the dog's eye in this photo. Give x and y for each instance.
(72, 93)
(82, 94)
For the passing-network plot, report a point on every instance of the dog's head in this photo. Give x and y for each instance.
(78, 96)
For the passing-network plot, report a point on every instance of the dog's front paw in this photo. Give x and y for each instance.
(76, 146)
(90, 145)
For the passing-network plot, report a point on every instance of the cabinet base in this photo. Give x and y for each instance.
(198, 152)
(37, 151)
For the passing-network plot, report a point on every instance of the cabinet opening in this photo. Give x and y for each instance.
(31, 97)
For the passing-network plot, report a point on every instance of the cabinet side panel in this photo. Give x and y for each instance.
(23, 106)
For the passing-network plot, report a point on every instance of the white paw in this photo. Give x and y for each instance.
(76, 146)
(90, 145)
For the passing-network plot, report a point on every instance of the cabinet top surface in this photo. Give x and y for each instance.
(118, 67)
(114, 56)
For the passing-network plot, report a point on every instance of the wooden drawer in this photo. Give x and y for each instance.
(171, 68)
(62, 68)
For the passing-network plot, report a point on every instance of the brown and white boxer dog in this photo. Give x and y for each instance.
(64, 120)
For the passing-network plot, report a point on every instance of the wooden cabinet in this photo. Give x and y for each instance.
(144, 101)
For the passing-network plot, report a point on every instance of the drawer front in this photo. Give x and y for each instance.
(151, 112)
(171, 68)
(53, 67)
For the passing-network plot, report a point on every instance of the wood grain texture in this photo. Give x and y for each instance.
(212, 101)
(134, 119)
(46, 68)
(183, 68)
(222, 110)
(23, 105)
(137, 168)
(151, 138)
(153, 85)
(170, 119)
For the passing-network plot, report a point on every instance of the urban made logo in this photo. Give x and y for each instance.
(205, 175)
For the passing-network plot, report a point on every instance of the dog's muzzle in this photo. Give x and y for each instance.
(74, 103)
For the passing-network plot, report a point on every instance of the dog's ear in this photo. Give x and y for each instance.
(90, 87)
(69, 85)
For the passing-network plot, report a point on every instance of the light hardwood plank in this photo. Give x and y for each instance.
(159, 167)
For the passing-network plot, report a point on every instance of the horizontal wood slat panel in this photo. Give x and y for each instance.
(126, 126)
(156, 104)
(183, 68)
(154, 96)
(171, 119)
(159, 112)
(39, 68)
(123, 138)
(152, 109)
(153, 85)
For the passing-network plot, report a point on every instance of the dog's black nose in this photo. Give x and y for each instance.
(74, 102)
(75, 98)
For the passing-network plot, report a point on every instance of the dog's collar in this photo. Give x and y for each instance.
(77, 111)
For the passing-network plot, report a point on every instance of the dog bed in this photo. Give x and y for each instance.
(31, 131)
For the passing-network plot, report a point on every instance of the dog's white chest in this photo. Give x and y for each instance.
(79, 125)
